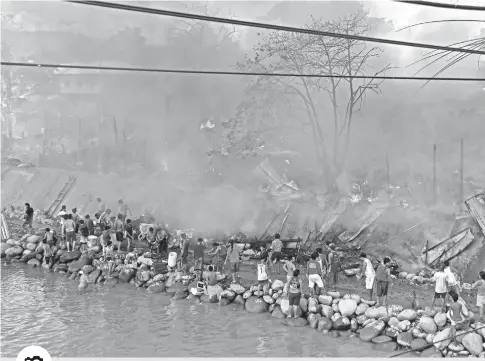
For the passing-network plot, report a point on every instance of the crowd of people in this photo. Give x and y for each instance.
(108, 230)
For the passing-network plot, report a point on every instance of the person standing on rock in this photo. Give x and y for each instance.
(289, 267)
(314, 274)
(184, 251)
(457, 317)
(451, 281)
(75, 218)
(104, 219)
(128, 234)
(276, 254)
(123, 210)
(293, 288)
(441, 288)
(322, 259)
(119, 229)
(218, 255)
(48, 254)
(263, 278)
(89, 223)
(480, 286)
(70, 229)
(29, 216)
(334, 266)
(198, 251)
(370, 274)
(234, 258)
(84, 231)
(383, 275)
(213, 288)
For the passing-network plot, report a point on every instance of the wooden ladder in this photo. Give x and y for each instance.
(61, 196)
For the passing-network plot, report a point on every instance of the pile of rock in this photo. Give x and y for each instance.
(389, 328)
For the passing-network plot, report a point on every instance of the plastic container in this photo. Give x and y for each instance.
(172, 259)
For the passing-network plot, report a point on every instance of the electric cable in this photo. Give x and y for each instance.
(442, 5)
(234, 73)
(214, 19)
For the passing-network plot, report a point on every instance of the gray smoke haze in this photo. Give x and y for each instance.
(161, 114)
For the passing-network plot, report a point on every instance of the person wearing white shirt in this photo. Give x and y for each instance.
(263, 279)
(441, 287)
(452, 282)
(370, 274)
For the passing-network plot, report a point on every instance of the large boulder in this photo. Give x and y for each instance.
(27, 257)
(33, 239)
(239, 300)
(480, 327)
(31, 246)
(295, 322)
(360, 310)
(427, 324)
(277, 313)
(347, 307)
(440, 319)
(156, 287)
(256, 305)
(325, 300)
(229, 294)
(313, 319)
(409, 315)
(394, 310)
(277, 285)
(126, 275)
(442, 339)
(372, 330)
(76, 266)
(376, 312)
(304, 304)
(312, 305)
(327, 311)
(237, 288)
(324, 324)
(87, 269)
(405, 339)
(93, 276)
(381, 339)
(342, 324)
(14, 251)
(70, 256)
(473, 343)
(4, 247)
(34, 262)
(419, 344)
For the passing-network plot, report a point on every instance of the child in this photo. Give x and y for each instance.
(456, 315)
(128, 233)
(48, 254)
(314, 274)
(49, 236)
(83, 283)
(84, 230)
(480, 286)
(108, 255)
(263, 280)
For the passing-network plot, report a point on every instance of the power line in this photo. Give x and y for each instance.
(216, 72)
(441, 5)
(213, 19)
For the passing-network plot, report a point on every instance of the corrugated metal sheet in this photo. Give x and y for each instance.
(371, 215)
(476, 206)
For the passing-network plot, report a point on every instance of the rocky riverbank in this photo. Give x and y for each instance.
(391, 328)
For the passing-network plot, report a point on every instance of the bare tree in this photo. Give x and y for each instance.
(308, 54)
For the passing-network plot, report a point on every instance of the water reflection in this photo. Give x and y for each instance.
(44, 309)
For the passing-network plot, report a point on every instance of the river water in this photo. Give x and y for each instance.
(44, 309)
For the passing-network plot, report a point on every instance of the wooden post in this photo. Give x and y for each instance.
(115, 128)
(434, 174)
(388, 171)
(462, 191)
(426, 254)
